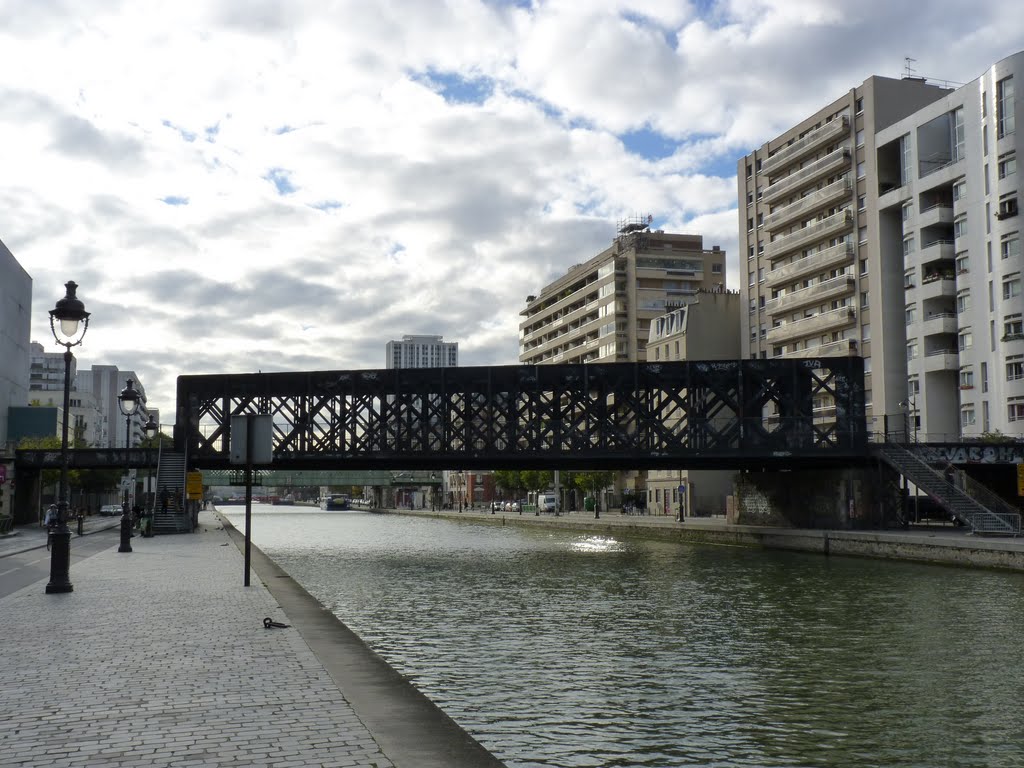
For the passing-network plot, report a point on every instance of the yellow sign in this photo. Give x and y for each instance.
(1020, 479)
(194, 485)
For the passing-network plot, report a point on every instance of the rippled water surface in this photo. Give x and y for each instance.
(560, 649)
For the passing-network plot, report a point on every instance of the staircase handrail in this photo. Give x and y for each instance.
(985, 496)
(946, 493)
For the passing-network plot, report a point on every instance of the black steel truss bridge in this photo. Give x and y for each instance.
(756, 414)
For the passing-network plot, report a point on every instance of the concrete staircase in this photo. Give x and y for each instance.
(170, 475)
(968, 501)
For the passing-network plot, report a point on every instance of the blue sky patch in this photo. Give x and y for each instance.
(649, 144)
(212, 131)
(457, 89)
(284, 129)
(281, 179)
(188, 136)
(174, 200)
(326, 205)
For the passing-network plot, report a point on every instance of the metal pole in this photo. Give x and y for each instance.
(126, 515)
(248, 493)
(60, 539)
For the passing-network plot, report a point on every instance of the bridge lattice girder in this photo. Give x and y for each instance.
(615, 415)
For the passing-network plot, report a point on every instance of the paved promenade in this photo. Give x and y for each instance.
(160, 658)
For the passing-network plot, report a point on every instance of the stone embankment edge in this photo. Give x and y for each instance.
(920, 547)
(410, 728)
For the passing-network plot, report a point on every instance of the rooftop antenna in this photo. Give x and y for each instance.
(906, 66)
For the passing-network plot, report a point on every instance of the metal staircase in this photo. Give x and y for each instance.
(968, 501)
(170, 477)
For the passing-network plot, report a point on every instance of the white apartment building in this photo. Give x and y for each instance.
(98, 387)
(602, 310)
(15, 324)
(948, 214)
(817, 277)
(422, 352)
(706, 328)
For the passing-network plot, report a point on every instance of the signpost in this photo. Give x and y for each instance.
(251, 443)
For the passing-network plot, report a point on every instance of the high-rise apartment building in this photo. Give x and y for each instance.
(949, 238)
(15, 321)
(601, 310)
(817, 275)
(422, 352)
(99, 387)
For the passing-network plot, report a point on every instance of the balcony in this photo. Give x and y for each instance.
(819, 198)
(837, 255)
(837, 286)
(800, 238)
(936, 214)
(941, 360)
(831, 162)
(937, 250)
(846, 347)
(817, 324)
(937, 286)
(790, 153)
(940, 324)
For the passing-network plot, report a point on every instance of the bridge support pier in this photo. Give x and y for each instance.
(840, 498)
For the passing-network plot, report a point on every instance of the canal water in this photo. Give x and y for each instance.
(560, 649)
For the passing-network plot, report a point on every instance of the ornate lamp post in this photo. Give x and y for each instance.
(66, 315)
(128, 401)
(152, 428)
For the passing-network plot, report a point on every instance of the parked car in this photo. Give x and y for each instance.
(109, 510)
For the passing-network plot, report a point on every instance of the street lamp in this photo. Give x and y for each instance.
(128, 401)
(66, 315)
(909, 407)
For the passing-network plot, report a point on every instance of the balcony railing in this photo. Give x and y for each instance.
(837, 286)
(830, 257)
(819, 323)
(832, 349)
(830, 162)
(793, 152)
(837, 190)
(819, 230)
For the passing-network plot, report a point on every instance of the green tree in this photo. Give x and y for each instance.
(592, 482)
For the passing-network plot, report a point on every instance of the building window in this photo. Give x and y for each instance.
(861, 172)
(760, 274)
(864, 300)
(1015, 409)
(865, 332)
(1013, 328)
(959, 135)
(963, 302)
(1011, 288)
(966, 414)
(860, 138)
(1015, 370)
(859, 106)
(965, 340)
(908, 279)
(962, 263)
(862, 233)
(906, 159)
(960, 227)
(863, 266)
(966, 378)
(751, 278)
(959, 190)
(1009, 247)
(911, 314)
(716, 269)
(908, 247)
(1004, 107)
(1007, 166)
(1007, 207)
(861, 202)
(750, 170)
(912, 350)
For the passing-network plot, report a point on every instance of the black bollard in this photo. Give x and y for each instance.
(81, 520)
(126, 530)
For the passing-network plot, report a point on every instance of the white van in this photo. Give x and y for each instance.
(547, 502)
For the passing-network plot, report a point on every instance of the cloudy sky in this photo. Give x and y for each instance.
(287, 185)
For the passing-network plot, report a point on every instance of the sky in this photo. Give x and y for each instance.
(283, 185)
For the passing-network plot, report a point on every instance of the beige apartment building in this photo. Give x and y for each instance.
(814, 276)
(708, 328)
(602, 310)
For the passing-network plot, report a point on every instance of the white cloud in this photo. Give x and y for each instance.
(406, 211)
